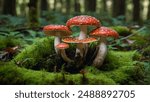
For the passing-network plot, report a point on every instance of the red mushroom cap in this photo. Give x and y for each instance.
(88, 40)
(56, 30)
(83, 20)
(62, 46)
(104, 31)
(71, 40)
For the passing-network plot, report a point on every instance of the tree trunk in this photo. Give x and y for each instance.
(77, 6)
(85, 5)
(1, 6)
(148, 14)
(104, 5)
(44, 5)
(119, 7)
(9, 7)
(90, 5)
(55, 3)
(68, 7)
(34, 13)
(136, 10)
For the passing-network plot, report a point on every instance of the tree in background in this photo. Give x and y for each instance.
(77, 6)
(90, 5)
(104, 5)
(34, 12)
(68, 6)
(148, 14)
(118, 7)
(1, 6)
(136, 10)
(44, 5)
(9, 7)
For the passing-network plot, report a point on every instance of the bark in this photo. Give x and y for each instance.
(44, 5)
(55, 3)
(136, 10)
(68, 6)
(9, 7)
(90, 5)
(34, 13)
(119, 7)
(104, 5)
(148, 14)
(77, 6)
(1, 6)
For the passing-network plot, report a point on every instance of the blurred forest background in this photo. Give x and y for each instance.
(135, 11)
(22, 21)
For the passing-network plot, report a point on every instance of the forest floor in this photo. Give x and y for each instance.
(27, 56)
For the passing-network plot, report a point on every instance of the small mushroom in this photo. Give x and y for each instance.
(58, 31)
(102, 33)
(62, 47)
(82, 21)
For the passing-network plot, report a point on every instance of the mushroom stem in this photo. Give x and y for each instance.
(81, 48)
(64, 56)
(101, 54)
(83, 32)
(56, 42)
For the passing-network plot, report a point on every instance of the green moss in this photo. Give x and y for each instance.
(9, 42)
(11, 74)
(35, 53)
(122, 30)
(119, 66)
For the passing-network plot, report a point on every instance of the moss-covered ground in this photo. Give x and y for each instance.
(38, 64)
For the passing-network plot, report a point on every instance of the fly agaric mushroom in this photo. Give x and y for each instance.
(82, 41)
(58, 31)
(62, 47)
(82, 21)
(102, 33)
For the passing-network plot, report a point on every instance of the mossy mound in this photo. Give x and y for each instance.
(12, 74)
(122, 30)
(118, 68)
(33, 55)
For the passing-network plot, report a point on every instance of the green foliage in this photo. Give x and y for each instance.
(9, 42)
(10, 22)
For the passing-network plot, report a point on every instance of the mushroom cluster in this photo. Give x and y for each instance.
(63, 37)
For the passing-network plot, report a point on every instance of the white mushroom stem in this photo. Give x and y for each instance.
(57, 40)
(64, 56)
(83, 32)
(82, 47)
(101, 54)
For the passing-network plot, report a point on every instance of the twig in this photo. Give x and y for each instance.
(129, 35)
(133, 33)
